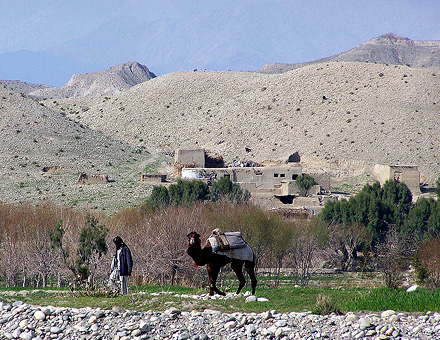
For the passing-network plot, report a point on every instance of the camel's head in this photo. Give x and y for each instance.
(193, 239)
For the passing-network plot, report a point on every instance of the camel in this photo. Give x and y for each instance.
(205, 256)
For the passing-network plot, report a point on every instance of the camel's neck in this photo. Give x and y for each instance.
(196, 254)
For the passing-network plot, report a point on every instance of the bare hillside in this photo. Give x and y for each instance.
(108, 82)
(385, 49)
(43, 152)
(332, 113)
(22, 86)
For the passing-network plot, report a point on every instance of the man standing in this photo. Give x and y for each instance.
(121, 265)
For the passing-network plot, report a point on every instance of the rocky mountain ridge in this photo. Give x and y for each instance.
(385, 49)
(42, 152)
(22, 86)
(108, 82)
(331, 113)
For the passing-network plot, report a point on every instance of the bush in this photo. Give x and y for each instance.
(427, 264)
(344, 243)
(91, 247)
(188, 192)
(308, 237)
(225, 189)
(304, 182)
(159, 197)
(437, 187)
(325, 305)
(393, 258)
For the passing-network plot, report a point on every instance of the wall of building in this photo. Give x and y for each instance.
(194, 157)
(409, 175)
(251, 178)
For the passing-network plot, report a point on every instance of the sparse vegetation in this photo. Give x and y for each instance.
(304, 182)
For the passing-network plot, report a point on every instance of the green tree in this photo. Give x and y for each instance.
(159, 197)
(374, 206)
(225, 189)
(188, 192)
(304, 182)
(437, 187)
(416, 222)
(91, 247)
(434, 219)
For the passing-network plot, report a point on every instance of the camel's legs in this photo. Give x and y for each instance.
(250, 268)
(212, 276)
(237, 267)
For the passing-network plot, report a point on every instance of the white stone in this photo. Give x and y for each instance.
(55, 330)
(39, 315)
(261, 299)
(93, 319)
(350, 317)
(27, 335)
(281, 323)
(23, 323)
(136, 332)
(16, 333)
(251, 298)
(250, 329)
(394, 318)
(412, 288)
(387, 313)
(364, 322)
(371, 332)
(278, 332)
(230, 324)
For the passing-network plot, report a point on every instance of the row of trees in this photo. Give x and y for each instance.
(383, 222)
(47, 242)
(186, 192)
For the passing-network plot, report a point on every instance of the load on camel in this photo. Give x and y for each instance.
(221, 249)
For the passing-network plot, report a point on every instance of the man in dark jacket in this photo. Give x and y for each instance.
(122, 265)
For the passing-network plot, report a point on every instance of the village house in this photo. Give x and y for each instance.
(407, 174)
(273, 187)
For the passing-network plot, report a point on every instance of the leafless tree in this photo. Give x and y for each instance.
(393, 257)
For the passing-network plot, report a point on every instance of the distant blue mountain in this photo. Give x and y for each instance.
(33, 67)
(168, 36)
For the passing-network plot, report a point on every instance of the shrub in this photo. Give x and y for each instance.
(304, 182)
(427, 262)
(308, 237)
(187, 192)
(91, 247)
(343, 244)
(325, 305)
(393, 258)
(225, 189)
(159, 196)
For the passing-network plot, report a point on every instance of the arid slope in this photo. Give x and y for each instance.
(108, 82)
(385, 49)
(330, 112)
(42, 152)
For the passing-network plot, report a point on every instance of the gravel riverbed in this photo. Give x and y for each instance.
(19, 320)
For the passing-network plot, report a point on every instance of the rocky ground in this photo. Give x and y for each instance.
(336, 115)
(341, 117)
(23, 321)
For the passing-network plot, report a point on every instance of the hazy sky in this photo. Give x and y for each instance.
(168, 36)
